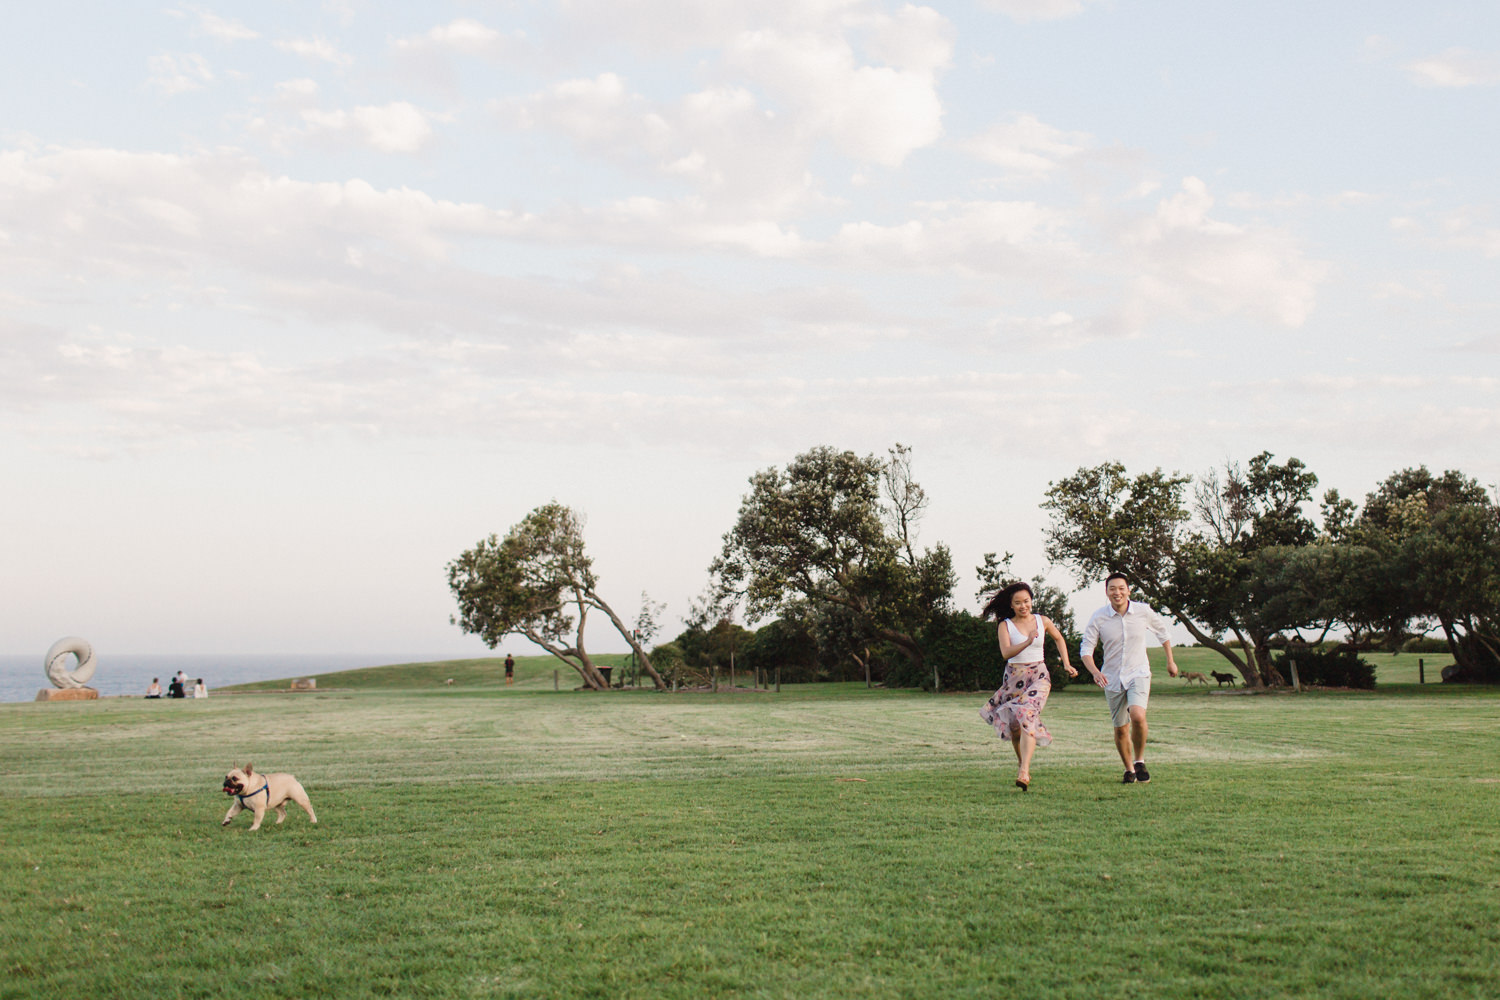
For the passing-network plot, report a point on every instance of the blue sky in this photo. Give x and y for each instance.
(297, 301)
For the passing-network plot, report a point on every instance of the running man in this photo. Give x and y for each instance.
(1121, 625)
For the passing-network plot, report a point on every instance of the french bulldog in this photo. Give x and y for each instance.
(259, 792)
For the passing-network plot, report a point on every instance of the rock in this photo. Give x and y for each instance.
(67, 694)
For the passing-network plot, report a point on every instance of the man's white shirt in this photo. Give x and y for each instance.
(1124, 639)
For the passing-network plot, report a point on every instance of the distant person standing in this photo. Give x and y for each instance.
(1122, 625)
(510, 669)
(154, 691)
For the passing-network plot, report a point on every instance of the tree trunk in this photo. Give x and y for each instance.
(642, 658)
(907, 644)
(1269, 675)
(585, 666)
(1248, 672)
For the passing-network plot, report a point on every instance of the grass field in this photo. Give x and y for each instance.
(827, 841)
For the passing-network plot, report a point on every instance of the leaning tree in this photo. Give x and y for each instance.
(537, 582)
(1215, 579)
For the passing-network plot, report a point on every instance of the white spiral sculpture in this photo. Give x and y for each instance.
(57, 663)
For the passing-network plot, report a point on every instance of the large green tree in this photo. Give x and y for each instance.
(1439, 538)
(836, 528)
(1215, 576)
(538, 582)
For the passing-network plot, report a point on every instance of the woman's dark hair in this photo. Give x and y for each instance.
(999, 606)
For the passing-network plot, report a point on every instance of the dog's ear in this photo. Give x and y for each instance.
(249, 770)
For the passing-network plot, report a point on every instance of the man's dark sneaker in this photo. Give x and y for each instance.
(1129, 778)
(1141, 774)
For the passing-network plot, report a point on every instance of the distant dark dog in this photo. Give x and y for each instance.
(1193, 677)
(1222, 678)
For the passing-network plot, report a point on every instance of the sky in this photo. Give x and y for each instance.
(298, 301)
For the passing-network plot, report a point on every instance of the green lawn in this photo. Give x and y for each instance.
(828, 841)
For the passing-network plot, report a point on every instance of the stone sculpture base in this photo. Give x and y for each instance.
(66, 694)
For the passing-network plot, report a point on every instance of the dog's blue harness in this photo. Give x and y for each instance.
(263, 788)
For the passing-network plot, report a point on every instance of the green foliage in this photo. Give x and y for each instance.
(1438, 538)
(786, 645)
(961, 647)
(965, 651)
(817, 534)
(533, 582)
(1336, 668)
(1240, 571)
(668, 658)
(1102, 521)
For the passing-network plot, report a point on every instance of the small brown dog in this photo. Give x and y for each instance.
(1193, 677)
(259, 792)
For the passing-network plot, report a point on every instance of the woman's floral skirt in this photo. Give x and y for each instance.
(1019, 702)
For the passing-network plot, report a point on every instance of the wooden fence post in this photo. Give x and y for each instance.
(1421, 672)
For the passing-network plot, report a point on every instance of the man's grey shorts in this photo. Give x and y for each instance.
(1137, 691)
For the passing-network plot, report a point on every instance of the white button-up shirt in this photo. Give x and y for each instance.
(1124, 639)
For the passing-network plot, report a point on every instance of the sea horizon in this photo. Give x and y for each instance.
(22, 674)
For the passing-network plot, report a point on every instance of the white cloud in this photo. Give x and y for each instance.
(1465, 228)
(296, 93)
(918, 39)
(178, 74)
(973, 237)
(317, 49)
(223, 28)
(399, 127)
(879, 114)
(1457, 67)
(1187, 263)
(463, 35)
(1027, 146)
(1038, 10)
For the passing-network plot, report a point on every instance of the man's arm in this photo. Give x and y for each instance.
(1086, 649)
(1158, 626)
(1171, 664)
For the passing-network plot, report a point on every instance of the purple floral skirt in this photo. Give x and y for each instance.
(1019, 702)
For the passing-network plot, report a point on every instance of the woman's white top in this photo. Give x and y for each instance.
(1033, 652)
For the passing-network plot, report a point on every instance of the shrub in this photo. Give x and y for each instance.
(966, 654)
(1425, 644)
(1316, 667)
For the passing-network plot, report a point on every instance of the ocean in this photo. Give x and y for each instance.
(21, 676)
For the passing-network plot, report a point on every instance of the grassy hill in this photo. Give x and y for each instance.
(532, 673)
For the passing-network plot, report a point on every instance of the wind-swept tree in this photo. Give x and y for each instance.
(537, 582)
(1215, 579)
(835, 528)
